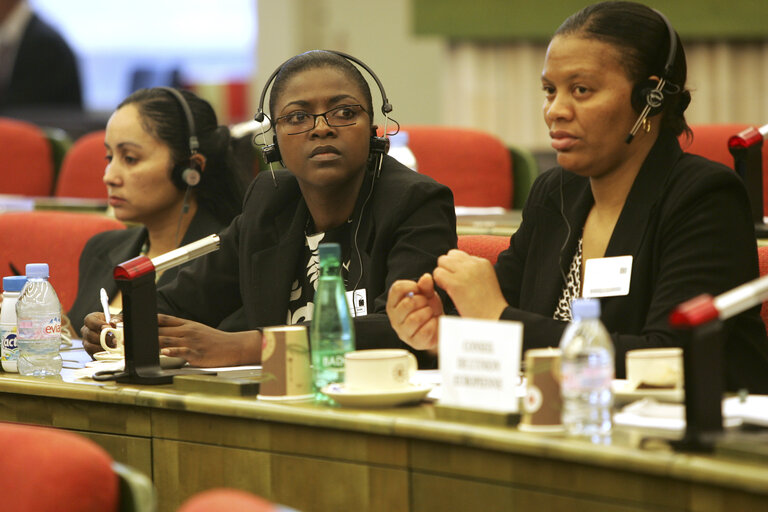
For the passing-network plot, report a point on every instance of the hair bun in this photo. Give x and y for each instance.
(685, 100)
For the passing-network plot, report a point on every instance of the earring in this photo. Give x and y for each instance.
(646, 125)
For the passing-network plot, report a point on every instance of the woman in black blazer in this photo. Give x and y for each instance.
(623, 187)
(175, 193)
(338, 185)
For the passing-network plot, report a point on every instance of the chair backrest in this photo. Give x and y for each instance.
(52, 237)
(82, 170)
(762, 255)
(526, 170)
(475, 165)
(56, 471)
(26, 164)
(485, 246)
(711, 141)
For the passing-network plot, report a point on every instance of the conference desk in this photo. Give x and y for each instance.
(323, 458)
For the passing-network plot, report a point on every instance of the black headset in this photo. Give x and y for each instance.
(379, 145)
(189, 173)
(648, 96)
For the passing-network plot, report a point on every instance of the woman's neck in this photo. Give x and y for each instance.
(332, 208)
(166, 233)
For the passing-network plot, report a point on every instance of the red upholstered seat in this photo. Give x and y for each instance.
(50, 470)
(227, 500)
(711, 141)
(82, 169)
(762, 254)
(475, 165)
(52, 237)
(26, 162)
(486, 246)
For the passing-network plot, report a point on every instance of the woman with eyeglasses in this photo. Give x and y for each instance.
(623, 188)
(391, 223)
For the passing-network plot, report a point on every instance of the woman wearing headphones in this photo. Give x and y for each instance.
(683, 221)
(155, 177)
(338, 186)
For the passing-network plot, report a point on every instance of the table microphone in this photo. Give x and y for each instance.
(748, 137)
(704, 308)
(141, 264)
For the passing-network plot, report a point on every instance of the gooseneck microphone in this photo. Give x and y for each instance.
(748, 138)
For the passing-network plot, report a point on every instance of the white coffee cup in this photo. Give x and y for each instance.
(118, 336)
(385, 369)
(655, 368)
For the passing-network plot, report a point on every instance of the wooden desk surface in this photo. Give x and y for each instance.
(316, 457)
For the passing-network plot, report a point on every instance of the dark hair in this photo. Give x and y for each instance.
(318, 59)
(642, 36)
(222, 186)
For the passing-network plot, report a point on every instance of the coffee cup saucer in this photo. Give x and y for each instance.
(624, 392)
(379, 398)
(166, 362)
(108, 356)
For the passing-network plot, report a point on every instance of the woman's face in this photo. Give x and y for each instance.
(325, 157)
(588, 107)
(138, 173)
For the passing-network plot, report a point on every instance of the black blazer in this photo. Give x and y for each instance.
(45, 70)
(687, 224)
(105, 250)
(406, 224)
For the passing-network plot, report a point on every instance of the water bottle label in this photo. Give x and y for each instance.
(579, 377)
(333, 361)
(30, 329)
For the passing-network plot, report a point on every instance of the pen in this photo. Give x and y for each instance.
(105, 305)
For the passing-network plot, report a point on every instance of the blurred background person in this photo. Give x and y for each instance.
(37, 66)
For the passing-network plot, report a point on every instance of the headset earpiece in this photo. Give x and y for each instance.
(271, 152)
(647, 93)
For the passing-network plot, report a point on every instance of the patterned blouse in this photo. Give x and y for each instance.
(572, 288)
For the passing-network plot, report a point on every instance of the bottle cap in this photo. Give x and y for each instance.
(37, 270)
(585, 308)
(330, 249)
(14, 283)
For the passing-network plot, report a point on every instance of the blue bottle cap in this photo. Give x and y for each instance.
(37, 270)
(585, 308)
(329, 249)
(14, 283)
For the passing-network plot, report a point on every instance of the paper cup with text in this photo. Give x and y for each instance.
(118, 339)
(543, 403)
(655, 368)
(377, 370)
(285, 369)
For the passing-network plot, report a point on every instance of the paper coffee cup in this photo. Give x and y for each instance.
(543, 403)
(285, 368)
(653, 368)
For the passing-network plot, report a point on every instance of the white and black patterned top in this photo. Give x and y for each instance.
(572, 288)
(301, 301)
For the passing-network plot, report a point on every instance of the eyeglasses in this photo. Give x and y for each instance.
(302, 122)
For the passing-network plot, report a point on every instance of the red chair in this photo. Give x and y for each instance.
(52, 237)
(762, 255)
(82, 170)
(55, 471)
(485, 246)
(475, 165)
(228, 500)
(27, 164)
(711, 141)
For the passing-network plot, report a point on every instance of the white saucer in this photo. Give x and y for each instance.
(108, 356)
(166, 362)
(624, 393)
(343, 396)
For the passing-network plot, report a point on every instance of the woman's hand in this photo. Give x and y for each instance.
(91, 330)
(205, 346)
(413, 309)
(471, 283)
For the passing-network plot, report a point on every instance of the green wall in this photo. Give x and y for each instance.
(536, 20)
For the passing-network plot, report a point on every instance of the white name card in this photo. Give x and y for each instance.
(480, 363)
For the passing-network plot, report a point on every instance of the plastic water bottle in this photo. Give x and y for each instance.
(399, 150)
(12, 286)
(331, 331)
(38, 314)
(587, 372)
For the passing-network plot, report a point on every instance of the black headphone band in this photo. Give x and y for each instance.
(386, 107)
(188, 175)
(194, 144)
(669, 64)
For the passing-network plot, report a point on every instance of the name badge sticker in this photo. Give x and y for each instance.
(358, 302)
(607, 277)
